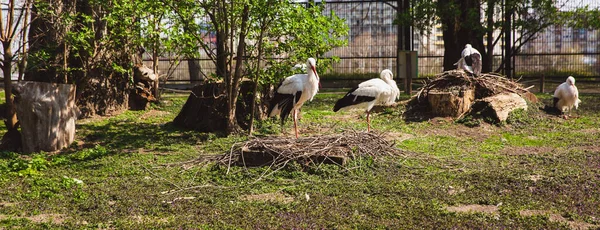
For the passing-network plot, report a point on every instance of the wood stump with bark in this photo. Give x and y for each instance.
(47, 114)
(451, 103)
(499, 106)
(143, 85)
(206, 108)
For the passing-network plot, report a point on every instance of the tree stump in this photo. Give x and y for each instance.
(143, 86)
(47, 114)
(450, 103)
(499, 106)
(206, 108)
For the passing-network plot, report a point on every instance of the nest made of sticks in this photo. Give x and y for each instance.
(457, 81)
(485, 85)
(276, 151)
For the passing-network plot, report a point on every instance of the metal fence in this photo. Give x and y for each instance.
(373, 40)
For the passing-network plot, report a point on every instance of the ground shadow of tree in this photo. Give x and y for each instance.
(123, 136)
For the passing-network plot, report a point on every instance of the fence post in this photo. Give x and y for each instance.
(542, 83)
(408, 73)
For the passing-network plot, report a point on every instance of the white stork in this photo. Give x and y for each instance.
(369, 93)
(293, 92)
(566, 96)
(470, 60)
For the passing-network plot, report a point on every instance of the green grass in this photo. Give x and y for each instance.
(133, 175)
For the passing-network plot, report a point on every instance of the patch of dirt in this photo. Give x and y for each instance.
(149, 219)
(490, 209)
(7, 204)
(588, 148)
(397, 136)
(153, 113)
(577, 225)
(527, 150)
(44, 218)
(454, 191)
(275, 197)
(479, 133)
(590, 131)
(535, 178)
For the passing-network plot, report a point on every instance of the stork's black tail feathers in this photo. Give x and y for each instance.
(285, 103)
(350, 99)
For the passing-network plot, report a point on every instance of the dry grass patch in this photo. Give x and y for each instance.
(153, 113)
(7, 204)
(489, 209)
(275, 197)
(554, 217)
(527, 150)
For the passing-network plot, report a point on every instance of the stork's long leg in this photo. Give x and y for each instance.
(368, 122)
(296, 123)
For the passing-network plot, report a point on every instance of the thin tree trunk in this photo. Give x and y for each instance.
(232, 125)
(155, 59)
(488, 64)
(10, 116)
(194, 70)
(256, 77)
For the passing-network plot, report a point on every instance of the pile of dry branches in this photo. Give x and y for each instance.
(334, 148)
(488, 84)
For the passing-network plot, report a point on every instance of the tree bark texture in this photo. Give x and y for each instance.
(499, 106)
(461, 25)
(47, 114)
(452, 104)
(142, 93)
(206, 109)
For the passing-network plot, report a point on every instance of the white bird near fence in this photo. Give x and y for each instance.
(566, 96)
(470, 60)
(369, 93)
(293, 92)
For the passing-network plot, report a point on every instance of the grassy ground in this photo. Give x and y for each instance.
(125, 172)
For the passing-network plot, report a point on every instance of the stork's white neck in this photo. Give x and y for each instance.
(312, 77)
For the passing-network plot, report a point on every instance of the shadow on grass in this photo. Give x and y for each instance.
(123, 135)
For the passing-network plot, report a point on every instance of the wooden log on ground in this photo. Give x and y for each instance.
(450, 103)
(47, 114)
(499, 106)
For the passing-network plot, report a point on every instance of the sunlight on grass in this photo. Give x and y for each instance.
(136, 170)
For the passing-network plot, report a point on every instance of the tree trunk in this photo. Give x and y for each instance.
(194, 71)
(47, 114)
(10, 118)
(461, 25)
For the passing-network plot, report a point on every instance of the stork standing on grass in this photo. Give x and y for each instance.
(293, 92)
(470, 60)
(566, 96)
(373, 92)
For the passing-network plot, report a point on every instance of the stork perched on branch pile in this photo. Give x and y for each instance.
(373, 92)
(470, 60)
(566, 96)
(293, 92)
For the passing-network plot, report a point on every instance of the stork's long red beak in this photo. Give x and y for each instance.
(316, 75)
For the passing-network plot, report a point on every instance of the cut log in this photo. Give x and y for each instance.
(499, 106)
(450, 103)
(47, 114)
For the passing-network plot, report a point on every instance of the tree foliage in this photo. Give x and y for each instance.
(480, 19)
(257, 39)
